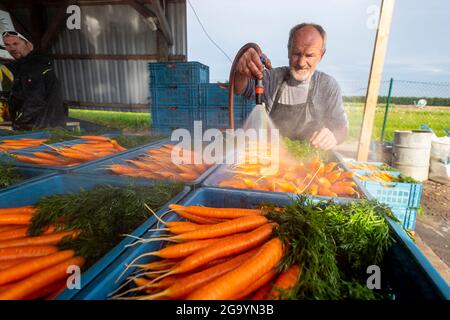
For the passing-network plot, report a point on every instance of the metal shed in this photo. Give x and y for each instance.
(103, 64)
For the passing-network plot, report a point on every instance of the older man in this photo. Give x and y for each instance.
(303, 103)
(36, 97)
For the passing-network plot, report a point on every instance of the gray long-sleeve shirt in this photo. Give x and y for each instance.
(327, 98)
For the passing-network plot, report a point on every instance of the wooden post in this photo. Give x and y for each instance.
(379, 51)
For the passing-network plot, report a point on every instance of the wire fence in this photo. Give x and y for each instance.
(403, 92)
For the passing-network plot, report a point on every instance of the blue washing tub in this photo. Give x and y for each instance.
(409, 273)
(30, 193)
(99, 167)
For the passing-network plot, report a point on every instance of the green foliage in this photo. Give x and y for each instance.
(304, 151)
(103, 215)
(333, 244)
(8, 175)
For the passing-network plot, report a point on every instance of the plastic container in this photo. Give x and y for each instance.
(178, 72)
(30, 193)
(219, 174)
(394, 194)
(407, 216)
(216, 94)
(99, 167)
(175, 94)
(45, 148)
(405, 269)
(27, 175)
(172, 115)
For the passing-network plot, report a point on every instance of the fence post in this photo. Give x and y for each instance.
(387, 110)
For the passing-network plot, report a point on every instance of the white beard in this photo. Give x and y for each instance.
(300, 77)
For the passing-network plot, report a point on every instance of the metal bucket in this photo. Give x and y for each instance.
(411, 153)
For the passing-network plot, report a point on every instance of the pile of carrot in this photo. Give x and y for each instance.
(361, 166)
(95, 147)
(17, 144)
(31, 267)
(381, 176)
(216, 254)
(313, 177)
(158, 164)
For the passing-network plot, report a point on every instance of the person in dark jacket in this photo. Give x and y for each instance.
(36, 100)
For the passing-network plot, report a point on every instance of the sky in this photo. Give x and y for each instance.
(418, 49)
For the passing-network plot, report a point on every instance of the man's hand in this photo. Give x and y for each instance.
(250, 65)
(323, 139)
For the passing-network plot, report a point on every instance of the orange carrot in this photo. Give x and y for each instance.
(326, 192)
(231, 245)
(234, 282)
(14, 234)
(9, 263)
(40, 280)
(26, 252)
(32, 266)
(183, 249)
(26, 209)
(189, 283)
(177, 227)
(18, 218)
(222, 229)
(198, 219)
(262, 281)
(221, 213)
(329, 167)
(50, 239)
(285, 282)
(262, 293)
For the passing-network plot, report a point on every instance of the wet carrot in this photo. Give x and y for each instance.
(232, 283)
(50, 239)
(285, 282)
(40, 280)
(26, 252)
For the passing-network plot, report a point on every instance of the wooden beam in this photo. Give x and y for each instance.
(376, 70)
(55, 26)
(145, 57)
(154, 10)
(162, 21)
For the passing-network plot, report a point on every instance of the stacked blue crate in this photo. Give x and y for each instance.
(214, 106)
(175, 94)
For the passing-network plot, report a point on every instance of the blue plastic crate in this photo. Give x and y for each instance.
(178, 72)
(100, 167)
(175, 94)
(216, 94)
(407, 216)
(33, 191)
(220, 173)
(27, 175)
(218, 117)
(175, 115)
(408, 272)
(394, 194)
(28, 151)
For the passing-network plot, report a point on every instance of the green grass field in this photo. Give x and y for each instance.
(399, 118)
(134, 121)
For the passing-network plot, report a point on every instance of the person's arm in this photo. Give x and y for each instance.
(335, 128)
(249, 67)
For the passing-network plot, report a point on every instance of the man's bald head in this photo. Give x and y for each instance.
(310, 33)
(306, 48)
